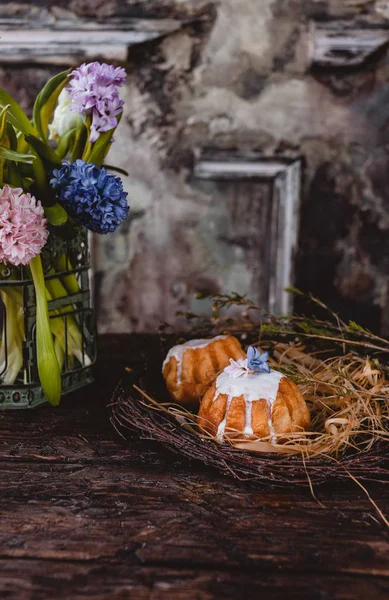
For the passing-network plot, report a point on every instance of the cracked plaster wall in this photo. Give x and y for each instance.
(240, 78)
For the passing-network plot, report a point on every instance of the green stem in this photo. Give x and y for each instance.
(56, 290)
(14, 337)
(88, 146)
(59, 351)
(48, 367)
(69, 281)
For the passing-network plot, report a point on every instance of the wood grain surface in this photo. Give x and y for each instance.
(86, 515)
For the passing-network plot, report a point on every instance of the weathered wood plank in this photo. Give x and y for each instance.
(69, 42)
(337, 45)
(238, 169)
(49, 434)
(173, 517)
(83, 516)
(275, 250)
(122, 581)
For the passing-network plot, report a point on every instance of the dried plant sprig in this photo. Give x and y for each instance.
(349, 402)
(348, 398)
(256, 321)
(340, 368)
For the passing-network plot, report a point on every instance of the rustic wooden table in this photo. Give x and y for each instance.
(85, 515)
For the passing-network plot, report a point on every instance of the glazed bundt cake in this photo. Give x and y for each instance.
(253, 402)
(189, 368)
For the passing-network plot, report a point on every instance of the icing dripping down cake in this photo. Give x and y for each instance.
(256, 404)
(189, 368)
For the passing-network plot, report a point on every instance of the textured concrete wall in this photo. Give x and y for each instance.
(201, 86)
(240, 77)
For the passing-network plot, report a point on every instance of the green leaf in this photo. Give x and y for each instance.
(8, 140)
(267, 329)
(70, 281)
(15, 156)
(46, 101)
(22, 145)
(355, 328)
(100, 148)
(65, 143)
(45, 151)
(15, 114)
(26, 170)
(116, 169)
(3, 117)
(102, 145)
(41, 182)
(45, 193)
(12, 138)
(311, 328)
(59, 349)
(48, 367)
(26, 183)
(14, 177)
(80, 141)
(56, 214)
(14, 337)
(202, 295)
(293, 290)
(73, 333)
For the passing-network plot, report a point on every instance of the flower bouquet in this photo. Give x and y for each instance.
(53, 188)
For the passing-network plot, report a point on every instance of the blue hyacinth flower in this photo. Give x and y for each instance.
(256, 361)
(93, 197)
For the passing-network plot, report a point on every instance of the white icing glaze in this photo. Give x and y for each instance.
(178, 352)
(222, 426)
(248, 428)
(252, 387)
(273, 435)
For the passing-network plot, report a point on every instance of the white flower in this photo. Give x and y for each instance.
(64, 119)
(237, 368)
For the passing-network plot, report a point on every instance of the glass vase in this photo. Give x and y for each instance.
(66, 266)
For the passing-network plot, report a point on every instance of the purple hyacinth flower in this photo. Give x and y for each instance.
(256, 361)
(93, 89)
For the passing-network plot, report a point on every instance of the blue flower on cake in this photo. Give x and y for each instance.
(250, 400)
(257, 361)
(254, 363)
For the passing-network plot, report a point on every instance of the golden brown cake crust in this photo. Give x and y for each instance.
(289, 413)
(188, 376)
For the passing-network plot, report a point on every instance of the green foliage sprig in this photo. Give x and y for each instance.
(256, 322)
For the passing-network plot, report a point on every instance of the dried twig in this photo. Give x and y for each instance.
(347, 393)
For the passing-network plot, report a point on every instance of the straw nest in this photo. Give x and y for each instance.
(341, 371)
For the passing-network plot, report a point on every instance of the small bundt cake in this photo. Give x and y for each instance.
(189, 368)
(253, 402)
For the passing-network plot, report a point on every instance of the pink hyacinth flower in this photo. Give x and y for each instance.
(23, 231)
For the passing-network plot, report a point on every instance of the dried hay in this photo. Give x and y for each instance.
(342, 375)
